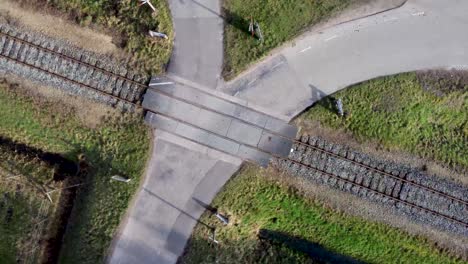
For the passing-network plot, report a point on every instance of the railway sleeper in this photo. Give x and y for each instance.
(383, 185)
(15, 50)
(366, 180)
(389, 190)
(313, 141)
(118, 87)
(22, 53)
(2, 43)
(125, 90)
(96, 79)
(7, 47)
(375, 181)
(38, 59)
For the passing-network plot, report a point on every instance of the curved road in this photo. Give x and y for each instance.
(422, 34)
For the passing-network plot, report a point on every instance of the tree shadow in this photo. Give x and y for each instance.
(229, 17)
(63, 166)
(313, 250)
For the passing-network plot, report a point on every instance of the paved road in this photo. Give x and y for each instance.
(198, 45)
(166, 207)
(420, 35)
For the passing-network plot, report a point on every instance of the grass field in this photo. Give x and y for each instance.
(256, 202)
(279, 21)
(18, 213)
(424, 114)
(128, 23)
(117, 145)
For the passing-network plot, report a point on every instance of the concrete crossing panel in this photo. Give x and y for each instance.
(207, 138)
(213, 122)
(217, 122)
(244, 133)
(275, 144)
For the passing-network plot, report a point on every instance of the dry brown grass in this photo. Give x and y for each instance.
(58, 27)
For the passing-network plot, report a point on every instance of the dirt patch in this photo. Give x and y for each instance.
(373, 149)
(443, 82)
(58, 27)
(350, 204)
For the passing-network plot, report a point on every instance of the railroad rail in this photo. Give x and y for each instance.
(125, 87)
(20, 50)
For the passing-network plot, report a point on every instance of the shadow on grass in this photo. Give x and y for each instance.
(63, 166)
(229, 17)
(313, 250)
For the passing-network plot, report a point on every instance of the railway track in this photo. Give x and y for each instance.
(121, 86)
(114, 83)
(346, 172)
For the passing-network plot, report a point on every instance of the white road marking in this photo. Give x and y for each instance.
(306, 49)
(330, 38)
(254, 80)
(419, 13)
(161, 83)
(276, 65)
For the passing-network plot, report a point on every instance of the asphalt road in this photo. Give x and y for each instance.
(167, 207)
(198, 45)
(422, 34)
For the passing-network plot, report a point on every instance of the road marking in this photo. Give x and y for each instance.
(419, 13)
(254, 80)
(161, 83)
(279, 63)
(306, 49)
(330, 38)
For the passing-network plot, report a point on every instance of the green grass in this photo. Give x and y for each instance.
(117, 146)
(254, 202)
(279, 20)
(129, 25)
(399, 114)
(17, 213)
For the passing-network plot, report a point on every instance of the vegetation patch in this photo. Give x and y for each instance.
(421, 113)
(127, 22)
(279, 22)
(117, 145)
(31, 190)
(271, 223)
